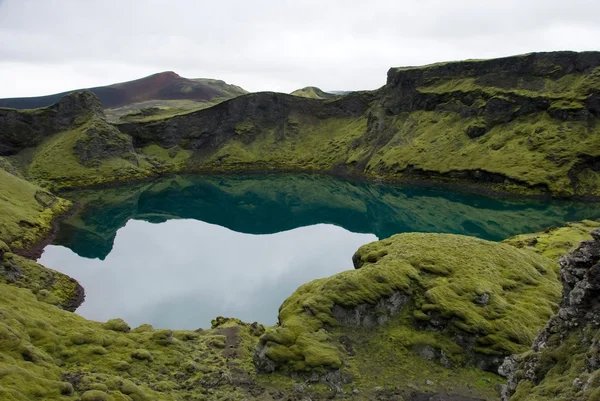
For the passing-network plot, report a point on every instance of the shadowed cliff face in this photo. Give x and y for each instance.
(23, 129)
(271, 204)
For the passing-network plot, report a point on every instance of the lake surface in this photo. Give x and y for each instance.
(180, 251)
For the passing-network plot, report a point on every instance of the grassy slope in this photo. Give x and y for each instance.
(26, 211)
(49, 354)
(56, 162)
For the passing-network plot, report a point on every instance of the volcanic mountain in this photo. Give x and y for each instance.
(165, 89)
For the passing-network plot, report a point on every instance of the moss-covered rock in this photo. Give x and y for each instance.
(117, 325)
(468, 301)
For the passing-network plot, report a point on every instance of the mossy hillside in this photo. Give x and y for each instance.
(555, 242)
(90, 153)
(474, 124)
(26, 211)
(50, 354)
(443, 276)
(49, 286)
(562, 363)
(307, 146)
(497, 139)
(531, 154)
(157, 109)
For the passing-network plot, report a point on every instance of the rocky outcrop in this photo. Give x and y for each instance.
(243, 118)
(565, 356)
(518, 80)
(23, 129)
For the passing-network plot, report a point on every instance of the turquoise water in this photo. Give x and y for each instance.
(178, 252)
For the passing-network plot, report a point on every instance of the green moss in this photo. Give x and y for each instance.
(43, 347)
(555, 242)
(443, 275)
(557, 368)
(26, 211)
(117, 325)
(48, 285)
(90, 153)
(95, 395)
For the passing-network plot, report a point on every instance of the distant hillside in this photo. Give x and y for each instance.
(312, 92)
(165, 90)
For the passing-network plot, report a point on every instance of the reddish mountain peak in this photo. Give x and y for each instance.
(168, 74)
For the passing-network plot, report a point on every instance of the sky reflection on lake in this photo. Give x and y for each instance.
(181, 274)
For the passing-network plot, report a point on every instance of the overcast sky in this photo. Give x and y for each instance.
(50, 46)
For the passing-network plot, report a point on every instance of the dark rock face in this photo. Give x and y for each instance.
(579, 315)
(403, 94)
(103, 141)
(368, 315)
(20, 129)
(244, 117)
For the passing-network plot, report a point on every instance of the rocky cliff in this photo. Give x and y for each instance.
(24, 129)
(523, 124)
(564, 362)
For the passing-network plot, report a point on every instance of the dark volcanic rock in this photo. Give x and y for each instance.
(22, 129)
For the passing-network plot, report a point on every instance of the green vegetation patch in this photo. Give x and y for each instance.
(50, 354)
(496, 294)
(559, 369)
(557, 241)
(91, 153)
(26, 211)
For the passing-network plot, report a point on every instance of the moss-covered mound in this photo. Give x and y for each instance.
(466, 301)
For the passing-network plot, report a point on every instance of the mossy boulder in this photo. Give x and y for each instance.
(117, 325)
(467, 300)
(95, 395)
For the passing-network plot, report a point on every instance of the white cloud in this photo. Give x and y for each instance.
(55, 45)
